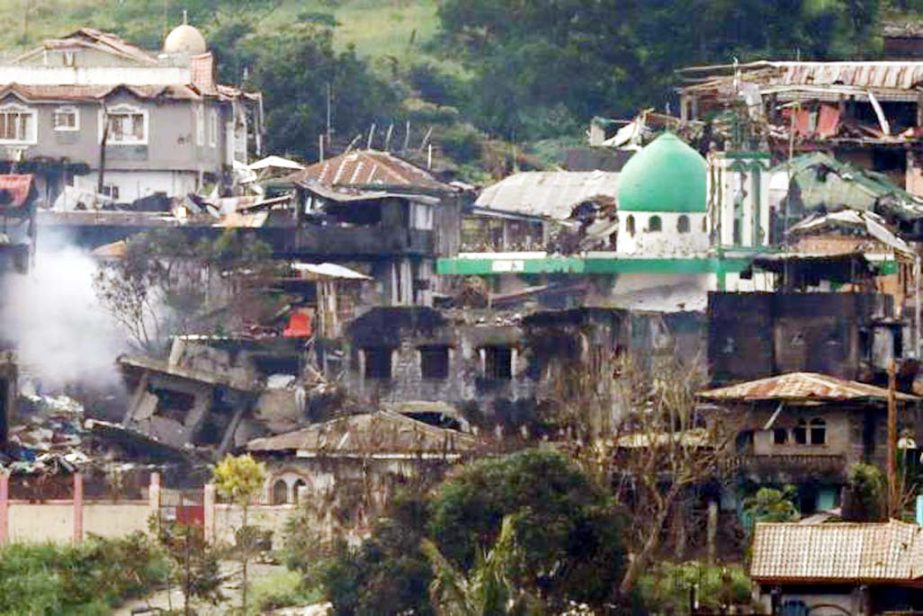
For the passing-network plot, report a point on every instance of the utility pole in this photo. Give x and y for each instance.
(892, 440)
(329, 110)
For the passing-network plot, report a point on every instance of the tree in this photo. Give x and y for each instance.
(865, 498)
(487, 590)
(195, 564)
(772, 505)
(567, 529)
(166, 285)
(240, 480)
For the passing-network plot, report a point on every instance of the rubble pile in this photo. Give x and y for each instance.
(48, 440)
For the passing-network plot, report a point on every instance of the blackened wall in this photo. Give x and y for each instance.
(755, 335)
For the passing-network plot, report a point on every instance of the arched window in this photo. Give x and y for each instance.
(654, 225)
(279, 492)
(299, 483)
(818, 431)
(630, 225)
(682, 224)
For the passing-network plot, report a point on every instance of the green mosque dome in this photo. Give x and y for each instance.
(665, 176)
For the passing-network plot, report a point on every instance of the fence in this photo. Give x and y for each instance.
(72, 520)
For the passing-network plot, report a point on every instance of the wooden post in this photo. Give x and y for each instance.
(78, 508)
(892, 441)
(4, 506)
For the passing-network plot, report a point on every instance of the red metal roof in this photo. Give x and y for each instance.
(368, 167)
(801, 386)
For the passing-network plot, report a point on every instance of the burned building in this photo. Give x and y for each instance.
(807, 429)
(851, 335)
(496, 366)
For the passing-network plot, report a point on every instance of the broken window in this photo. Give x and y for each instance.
(630, 225)
(127, 125)
(434, 362)
(498, 362)
(682, 224)
(66, 119)
(818, 431)
(780, 436)
(17, 124)
(655, 225)
(377, 362)
(800, 433)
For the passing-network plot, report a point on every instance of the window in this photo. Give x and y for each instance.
(296, 487)
(434, 362)
(630, 225)
(377, 363)
(818, 431)
(66, 119)
(801, 432)
(498, 362)
(127, 125)
(279, 492)
(17, 124)
(213, 128)
(654, 225)
(682, 224)
(780, 436)
(200, 125)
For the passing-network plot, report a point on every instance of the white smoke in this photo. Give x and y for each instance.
(63, 336)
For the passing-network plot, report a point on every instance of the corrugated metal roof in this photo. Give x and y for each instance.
(368, 168)
(548, 193)
(801, 386)
(382, 433)
(93, 93)
(891, 551)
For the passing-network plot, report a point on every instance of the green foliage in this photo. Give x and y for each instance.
(567, 528)
(665, 589)
(283, 589)
(388, 574)
(195, 564)
(239, 479)
(865, 498)
(488, 589)
(85, 579)
(771, 505)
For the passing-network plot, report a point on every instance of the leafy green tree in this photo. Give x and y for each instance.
(487, 590)
(772, 505)
(567, 528)
(865, 497)
(240, 479)
(195, 564)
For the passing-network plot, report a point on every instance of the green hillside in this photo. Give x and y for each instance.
(378, 28)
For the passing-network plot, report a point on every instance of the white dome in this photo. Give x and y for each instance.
(185, 39)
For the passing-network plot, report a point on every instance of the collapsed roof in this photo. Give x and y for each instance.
(551, 194)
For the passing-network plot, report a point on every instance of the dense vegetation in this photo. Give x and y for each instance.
(562, 541)
(86, 579)
(478, 72)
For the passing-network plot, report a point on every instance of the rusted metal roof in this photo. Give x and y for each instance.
(368, 168)
(94, 39)
(800, 386)
(34, 93)
(854, 553)
(380, 434)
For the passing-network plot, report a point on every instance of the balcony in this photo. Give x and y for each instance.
(791, 467)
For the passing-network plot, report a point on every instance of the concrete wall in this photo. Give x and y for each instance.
(636, 237)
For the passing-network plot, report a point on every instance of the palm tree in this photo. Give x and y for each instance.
(487, 590)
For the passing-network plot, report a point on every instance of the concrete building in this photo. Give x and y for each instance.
(90, 110)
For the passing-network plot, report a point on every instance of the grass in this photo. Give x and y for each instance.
(282, 589)
(377, 28)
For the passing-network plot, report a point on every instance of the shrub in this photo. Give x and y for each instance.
(666, 588)
(866, 494)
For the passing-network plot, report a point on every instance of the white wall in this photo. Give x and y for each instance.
(733, 179)
(101, 75)
(669, 241)
(136, 184)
